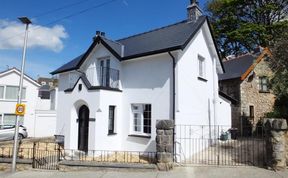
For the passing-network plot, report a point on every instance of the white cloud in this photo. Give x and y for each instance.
(12, 36)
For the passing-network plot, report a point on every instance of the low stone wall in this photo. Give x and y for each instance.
(164, 144)
(286, 146)
(276, 144)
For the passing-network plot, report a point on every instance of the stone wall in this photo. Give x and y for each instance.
(286, 147)
(164, 144)
(263, 102)
(276, 145)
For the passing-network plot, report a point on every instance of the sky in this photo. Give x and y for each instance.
(63, 29)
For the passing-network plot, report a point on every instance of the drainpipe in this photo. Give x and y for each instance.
(173, 101)
(214, 96)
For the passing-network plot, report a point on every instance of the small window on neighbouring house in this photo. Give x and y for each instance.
(251, 111)
(43, 83)
(263, 84)
(9, 119)
(111, 120)
(79, 87)
(141, 118)
(1, 92)
(12, 92)
(201, 67)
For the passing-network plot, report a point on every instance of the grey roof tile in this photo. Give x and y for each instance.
(164, 39)
(235, 68)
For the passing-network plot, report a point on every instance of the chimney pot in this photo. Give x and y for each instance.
(102, 34)
(98, 32)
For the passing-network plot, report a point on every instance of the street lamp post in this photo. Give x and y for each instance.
(25, 21)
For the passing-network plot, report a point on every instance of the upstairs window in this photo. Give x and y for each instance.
(263, 84)
(141, 118)
(12, 92)
(201, 67)
(1, 92)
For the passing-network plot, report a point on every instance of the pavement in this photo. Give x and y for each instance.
(179, 172)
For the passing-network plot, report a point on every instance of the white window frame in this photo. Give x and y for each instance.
(3, 92)
(141, 112)
(8, 99)
(202, 65)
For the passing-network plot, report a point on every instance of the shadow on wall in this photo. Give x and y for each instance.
(150, 144)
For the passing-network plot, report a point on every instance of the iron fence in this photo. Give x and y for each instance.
(219, 145)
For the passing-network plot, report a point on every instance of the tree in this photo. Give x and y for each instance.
(241, 25)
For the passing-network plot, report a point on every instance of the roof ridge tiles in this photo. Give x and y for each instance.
(156, 29)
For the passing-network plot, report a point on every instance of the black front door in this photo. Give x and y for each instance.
(83, 128)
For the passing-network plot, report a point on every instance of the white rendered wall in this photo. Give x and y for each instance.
(8, 106)
(45, 123)
(196, 99)
(146, 80)
(194, 96)
(224, 112)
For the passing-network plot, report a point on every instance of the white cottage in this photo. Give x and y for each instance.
(111, 96)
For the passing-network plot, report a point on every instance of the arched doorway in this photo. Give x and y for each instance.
(83, 128)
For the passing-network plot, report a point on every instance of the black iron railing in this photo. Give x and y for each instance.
(219, 145)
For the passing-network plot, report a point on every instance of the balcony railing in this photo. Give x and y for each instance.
(109, 77)
(103, 76)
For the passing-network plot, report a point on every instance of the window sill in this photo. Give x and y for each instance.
(141, 136)
(202, 79)
(260, 91)
(11, 100)
(111, 134)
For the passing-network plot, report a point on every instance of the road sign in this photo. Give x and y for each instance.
(20, 109)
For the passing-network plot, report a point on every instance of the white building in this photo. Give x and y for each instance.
(111, 96)
(39, 120)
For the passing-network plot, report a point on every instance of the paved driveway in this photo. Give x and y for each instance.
(183, 172)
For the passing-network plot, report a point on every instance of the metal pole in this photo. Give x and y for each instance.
(19, 100)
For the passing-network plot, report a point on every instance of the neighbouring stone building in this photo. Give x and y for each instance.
(247, 80)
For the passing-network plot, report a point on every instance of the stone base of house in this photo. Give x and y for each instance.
(80, 165)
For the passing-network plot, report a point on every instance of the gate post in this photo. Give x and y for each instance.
(164, 144)
(275, 143)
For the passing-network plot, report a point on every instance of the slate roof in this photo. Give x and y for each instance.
(235, 68)
(172, 37)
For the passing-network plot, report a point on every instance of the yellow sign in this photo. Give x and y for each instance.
(20, 109)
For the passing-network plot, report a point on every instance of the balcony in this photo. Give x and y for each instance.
(104, 77)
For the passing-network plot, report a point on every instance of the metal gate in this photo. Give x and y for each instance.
(47, 158)
(219, 145)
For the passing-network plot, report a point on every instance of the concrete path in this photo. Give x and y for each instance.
(183, 172)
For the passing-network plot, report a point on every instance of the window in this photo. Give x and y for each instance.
(105, 72)
(12, 92)
(111, 120)
(201, 63)
(9, 119)
(1, 92)
(43, 83)
(251, 111)
(263, 84)
(141, 118)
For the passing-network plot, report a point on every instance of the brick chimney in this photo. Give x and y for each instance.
(194, 11)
